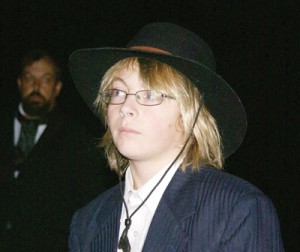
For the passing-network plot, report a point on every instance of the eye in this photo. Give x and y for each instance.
(28, 78)
(151, 95)
(117, 93)
(47, 80)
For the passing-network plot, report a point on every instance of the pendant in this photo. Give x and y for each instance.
(124, 241)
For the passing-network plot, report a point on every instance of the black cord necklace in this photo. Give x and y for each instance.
(124, 243)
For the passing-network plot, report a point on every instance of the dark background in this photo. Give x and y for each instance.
(256, 44)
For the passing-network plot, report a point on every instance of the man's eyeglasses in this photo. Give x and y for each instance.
(143, 97)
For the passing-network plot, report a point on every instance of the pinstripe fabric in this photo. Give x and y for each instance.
(96, 227)
(205, 211)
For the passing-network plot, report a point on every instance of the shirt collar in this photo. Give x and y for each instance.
(21, 110)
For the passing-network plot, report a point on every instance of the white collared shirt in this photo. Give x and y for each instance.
(141, 220)
(17, 131)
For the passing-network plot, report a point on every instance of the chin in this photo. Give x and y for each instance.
(36, 109)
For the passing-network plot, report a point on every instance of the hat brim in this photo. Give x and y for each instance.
(87, 67)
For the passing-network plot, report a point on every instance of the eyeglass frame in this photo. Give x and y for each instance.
(160, 95)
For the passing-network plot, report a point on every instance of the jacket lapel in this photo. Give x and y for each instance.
(176, 206)
(104, 236)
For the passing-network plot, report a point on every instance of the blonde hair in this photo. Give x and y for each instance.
(204, 143)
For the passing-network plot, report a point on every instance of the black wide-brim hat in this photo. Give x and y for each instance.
(181, 49)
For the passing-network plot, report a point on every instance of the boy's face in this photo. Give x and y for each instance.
(144, 133)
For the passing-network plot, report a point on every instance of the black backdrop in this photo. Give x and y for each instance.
(255, 44)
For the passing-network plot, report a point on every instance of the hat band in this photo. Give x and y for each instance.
(149, 48)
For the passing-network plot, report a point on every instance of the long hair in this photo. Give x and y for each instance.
(204, 141)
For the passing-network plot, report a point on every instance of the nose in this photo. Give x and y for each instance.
(129, 107)
(36, 84)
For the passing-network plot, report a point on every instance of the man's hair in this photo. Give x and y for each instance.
(37, 54)
(204, 144)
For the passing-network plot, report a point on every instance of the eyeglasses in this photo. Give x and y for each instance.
(143, 97)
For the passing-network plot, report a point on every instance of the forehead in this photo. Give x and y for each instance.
(40, 67)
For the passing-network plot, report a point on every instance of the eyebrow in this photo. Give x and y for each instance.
(29, 73)
(118, 79)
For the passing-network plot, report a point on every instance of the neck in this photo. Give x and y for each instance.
(144, 171)
(141, 175)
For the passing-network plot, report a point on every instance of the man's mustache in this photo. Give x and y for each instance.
(34, 93)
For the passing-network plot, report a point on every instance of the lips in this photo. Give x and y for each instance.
(36, 97)
(128, 131)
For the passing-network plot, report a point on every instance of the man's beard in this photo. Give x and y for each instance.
(35, 109)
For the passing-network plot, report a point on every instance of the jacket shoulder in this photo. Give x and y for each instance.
(208, 188)
(85, 219)
(221, 180)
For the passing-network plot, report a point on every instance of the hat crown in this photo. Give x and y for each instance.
(184, 43)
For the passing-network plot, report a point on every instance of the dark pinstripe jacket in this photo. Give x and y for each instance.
(208, 210)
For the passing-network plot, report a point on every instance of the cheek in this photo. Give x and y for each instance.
(111, 115)
(25, 90)
(47, 91)
(173, 128)
(162, 126)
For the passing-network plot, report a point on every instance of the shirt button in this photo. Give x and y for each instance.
(135, 233)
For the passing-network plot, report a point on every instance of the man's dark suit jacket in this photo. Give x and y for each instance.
(63, 172)
(206, 211)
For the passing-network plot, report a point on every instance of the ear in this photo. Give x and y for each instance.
(19, 82)
(179, 124)
(58, 88)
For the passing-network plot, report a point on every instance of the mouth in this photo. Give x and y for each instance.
(35, 98)
(128, 131)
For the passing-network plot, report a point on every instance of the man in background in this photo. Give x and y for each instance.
(49, 164)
